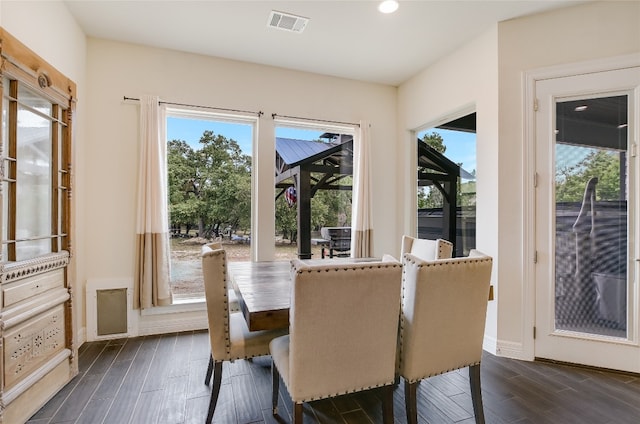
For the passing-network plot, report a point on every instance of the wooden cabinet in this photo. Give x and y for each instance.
(37, 352)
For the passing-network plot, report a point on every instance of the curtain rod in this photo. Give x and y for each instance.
(259, 113)
(274, 115)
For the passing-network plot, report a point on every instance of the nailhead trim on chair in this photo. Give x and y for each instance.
(346, 268)
(346, 392)
(443, 372)
(441, 245)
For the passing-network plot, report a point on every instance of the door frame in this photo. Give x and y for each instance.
(530, 79)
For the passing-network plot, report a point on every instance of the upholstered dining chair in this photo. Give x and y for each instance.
(426, 249)
(229, 335)
(442, 320)
(343, 323)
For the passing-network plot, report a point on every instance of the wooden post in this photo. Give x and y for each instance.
(303, 192)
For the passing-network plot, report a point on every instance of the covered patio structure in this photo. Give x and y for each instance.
(434, 169)
(309, 166)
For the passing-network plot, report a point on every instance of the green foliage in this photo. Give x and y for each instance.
(572, 179)
(286, 218)
(436, 141)
(431, 197)
(329, 208)
(209, 187)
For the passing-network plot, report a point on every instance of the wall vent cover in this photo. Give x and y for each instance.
(287, 21)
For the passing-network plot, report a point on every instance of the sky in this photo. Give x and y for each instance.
(461, 146)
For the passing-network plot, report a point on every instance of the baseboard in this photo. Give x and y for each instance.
(513, 350)
(81, 336)
(172, 323)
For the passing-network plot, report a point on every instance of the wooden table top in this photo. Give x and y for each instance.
(264, 290)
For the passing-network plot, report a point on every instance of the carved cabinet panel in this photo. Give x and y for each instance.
(37, 352)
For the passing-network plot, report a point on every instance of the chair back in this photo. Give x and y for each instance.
(426, 249)
(444, 305)
(214, 271)
(343, 327)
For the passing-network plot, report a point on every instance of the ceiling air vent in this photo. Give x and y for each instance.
(287, 21)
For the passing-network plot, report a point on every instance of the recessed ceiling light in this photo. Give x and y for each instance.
(580, 108)
(388, 6)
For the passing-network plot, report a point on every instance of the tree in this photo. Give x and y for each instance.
(571, 179)
(211, 186)
(286, 219)
(436, 141)
(430, 197)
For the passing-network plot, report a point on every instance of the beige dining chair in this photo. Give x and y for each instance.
(229, 336)
(442, 320)
(342, 333)
(426, 249)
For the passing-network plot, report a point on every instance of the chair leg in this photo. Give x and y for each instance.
(297, 413)
(411, 401)
(476, 393)
(215, 390)
(207, 379)
(387, 404)
(275, 388)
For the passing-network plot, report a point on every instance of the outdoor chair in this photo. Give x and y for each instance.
(230, 338)
(444, 305)
(426, 249)
(342, 333)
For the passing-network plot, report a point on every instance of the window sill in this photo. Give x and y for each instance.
(180, 305)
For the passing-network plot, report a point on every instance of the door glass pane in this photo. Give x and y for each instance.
(591, 196)
(5, 165)
(33, 188)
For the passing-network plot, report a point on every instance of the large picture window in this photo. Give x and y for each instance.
(314, 183)
(209, 162)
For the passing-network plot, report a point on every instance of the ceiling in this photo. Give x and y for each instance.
(348, 39)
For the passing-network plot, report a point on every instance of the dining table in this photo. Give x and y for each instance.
(263, 290)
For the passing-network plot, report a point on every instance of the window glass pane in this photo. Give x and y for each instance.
(330, 192)
(209, 164)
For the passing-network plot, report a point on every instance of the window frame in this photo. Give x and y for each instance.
(200, 114)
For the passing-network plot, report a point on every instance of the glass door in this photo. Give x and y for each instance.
(585, 219)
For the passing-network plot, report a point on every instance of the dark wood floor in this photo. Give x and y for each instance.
(159, 379)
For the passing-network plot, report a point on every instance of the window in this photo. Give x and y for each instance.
(326, 156)
(35, 181)
(209, 165)
(448, 150)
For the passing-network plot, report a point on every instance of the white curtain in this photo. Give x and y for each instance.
(361, 225)
(152, 278)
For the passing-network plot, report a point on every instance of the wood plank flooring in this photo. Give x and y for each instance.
(160, 379)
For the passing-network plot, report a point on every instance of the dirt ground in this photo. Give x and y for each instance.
(186, 268)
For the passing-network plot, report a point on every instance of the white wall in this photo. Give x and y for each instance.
(115, 70)
(50, 31)
(488, 73)
(485, 74)
(463, 82)
(576, 34)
